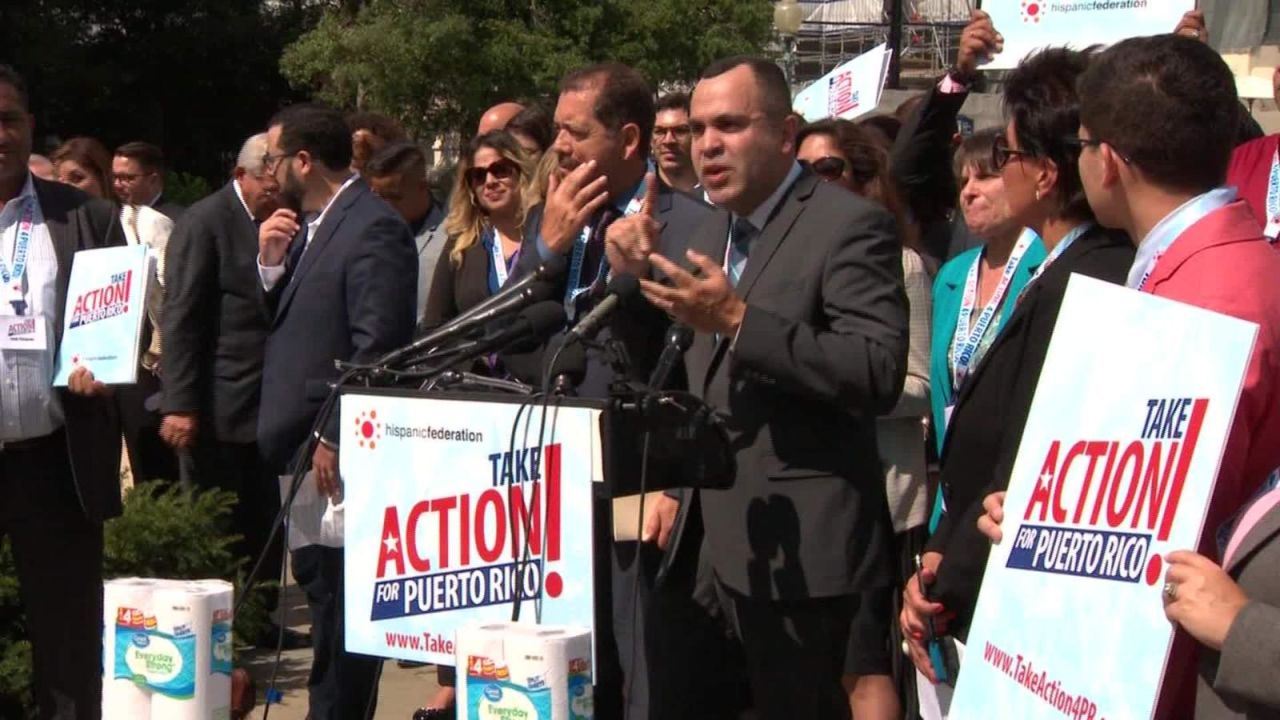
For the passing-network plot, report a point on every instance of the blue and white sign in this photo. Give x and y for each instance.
(449, 523)
(850, 91)
(1028, 25)
(1115, 470)
(102, 321)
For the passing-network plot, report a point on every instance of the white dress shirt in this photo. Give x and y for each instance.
(271, 274)
(29, 406)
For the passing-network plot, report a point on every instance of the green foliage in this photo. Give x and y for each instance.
(164, 532)
(185, 188)
(437, 64)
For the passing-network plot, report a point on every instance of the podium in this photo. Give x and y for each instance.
(481, 507)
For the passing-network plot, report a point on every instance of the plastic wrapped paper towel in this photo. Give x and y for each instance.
(171, 641)
(529, 672)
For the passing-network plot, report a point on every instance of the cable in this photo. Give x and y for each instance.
(635, 579)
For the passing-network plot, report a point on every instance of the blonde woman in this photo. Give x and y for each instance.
(485, 226)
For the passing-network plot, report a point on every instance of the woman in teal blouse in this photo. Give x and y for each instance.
(975, 291)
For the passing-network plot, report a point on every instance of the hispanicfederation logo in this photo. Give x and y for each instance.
(1101, 504)
(110, 300)
(477, 548)
(1031, 11)
(368, 429)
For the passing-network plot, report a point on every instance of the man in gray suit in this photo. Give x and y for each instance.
(796, 291)
(398, 174)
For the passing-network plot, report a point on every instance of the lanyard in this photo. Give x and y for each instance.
(1060, 248)
(21, 246)
(1273, 198)
(501, 265)
(1157, 242)
(572, 288)
(968, 339)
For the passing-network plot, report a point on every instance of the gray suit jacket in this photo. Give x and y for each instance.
(1243, 681)
(822, 351)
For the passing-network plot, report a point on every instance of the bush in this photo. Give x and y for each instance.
(185, 188)
(165, 531)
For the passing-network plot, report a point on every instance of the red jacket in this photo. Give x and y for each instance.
(1250, 171)
(1223, 263)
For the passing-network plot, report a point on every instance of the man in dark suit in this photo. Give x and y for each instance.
(796, 292)
(340, 271)
(215, 328)
(137, 177)
(59, 449)
(604, 120)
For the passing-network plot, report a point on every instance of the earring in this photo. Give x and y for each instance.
(1037, 196)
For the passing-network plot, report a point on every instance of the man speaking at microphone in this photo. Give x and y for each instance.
(340, 271)
(604, 122)
(795, 290)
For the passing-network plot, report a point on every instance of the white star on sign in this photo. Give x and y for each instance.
(393, 544)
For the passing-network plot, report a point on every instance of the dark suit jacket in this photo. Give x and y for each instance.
(351, 297)
(1240, 681)
(215, 318)
(78, 222)
(921, 163)
(639, 326)
(821, 352)
(456, 289)
(991, 409)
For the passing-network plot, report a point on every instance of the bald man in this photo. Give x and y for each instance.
(497, 117)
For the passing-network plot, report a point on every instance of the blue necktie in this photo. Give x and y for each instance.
(741, 237)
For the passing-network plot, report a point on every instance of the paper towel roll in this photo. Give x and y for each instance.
(540, 671)
(185, 613)
(122, 698)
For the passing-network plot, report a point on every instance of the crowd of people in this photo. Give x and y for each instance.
(869, 299)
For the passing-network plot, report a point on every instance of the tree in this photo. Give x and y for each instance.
(437, 64)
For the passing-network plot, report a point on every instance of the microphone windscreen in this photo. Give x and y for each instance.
(571, 361)
(625, 286)
(545, 318)
(553, 268)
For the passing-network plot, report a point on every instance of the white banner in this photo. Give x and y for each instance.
(1028, 25)
(102, 321)
(447, 526)
(1115, 470)
(850, 91)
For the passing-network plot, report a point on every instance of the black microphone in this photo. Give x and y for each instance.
(569, 368)
(505, 302)
(622, 288)
(548, 272)
(534, 325)
(679, 338)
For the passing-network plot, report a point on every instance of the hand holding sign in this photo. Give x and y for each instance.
(1201, 597)
(978, 42)
(81, 382)
(631, 239)
(989, 523)
(1192, 25)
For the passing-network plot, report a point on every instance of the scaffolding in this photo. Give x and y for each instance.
(835, 31)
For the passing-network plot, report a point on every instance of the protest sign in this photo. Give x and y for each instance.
(102, 321)
(850, 91)
(448, 522)
(1115, 470)
(1028, 25)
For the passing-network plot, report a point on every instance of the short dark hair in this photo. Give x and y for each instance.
(376, 123)
(533, 122)
(625, 97)
(769, 78)
(12, 78)
(149, 156)
(318, 129)
(1040, 98)
(887, 125)
(976, 150)
(398, 158)
(673, 101)
(1168, 104)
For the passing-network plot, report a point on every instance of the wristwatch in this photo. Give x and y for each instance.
(968, 79)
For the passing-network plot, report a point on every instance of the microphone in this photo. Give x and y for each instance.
(569, 369)
(524, 293)
(679, 338)
(622, 288)
(533, 326)
(548, 272)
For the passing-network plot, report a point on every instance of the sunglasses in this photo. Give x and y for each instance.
(1001, 153)
(829, 168)
(500, 170)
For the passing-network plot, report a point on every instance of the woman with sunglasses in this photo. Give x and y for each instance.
(843, 153)
(485, 226)
(1036, 157)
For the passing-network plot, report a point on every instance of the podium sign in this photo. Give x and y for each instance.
(1115, 470)
(1030, 25)
(449, 523)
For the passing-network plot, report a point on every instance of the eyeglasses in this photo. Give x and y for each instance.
(829, 168)
(128, 178)
(271, 162)
(1001, 153)
(500, 170)
(1078, 144)
(679, 132)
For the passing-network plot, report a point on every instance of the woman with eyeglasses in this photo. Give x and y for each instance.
(1036, 157)
(843, 153)
(485, 226)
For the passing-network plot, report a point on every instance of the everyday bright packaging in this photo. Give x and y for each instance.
(517, 671)
(167, 649)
